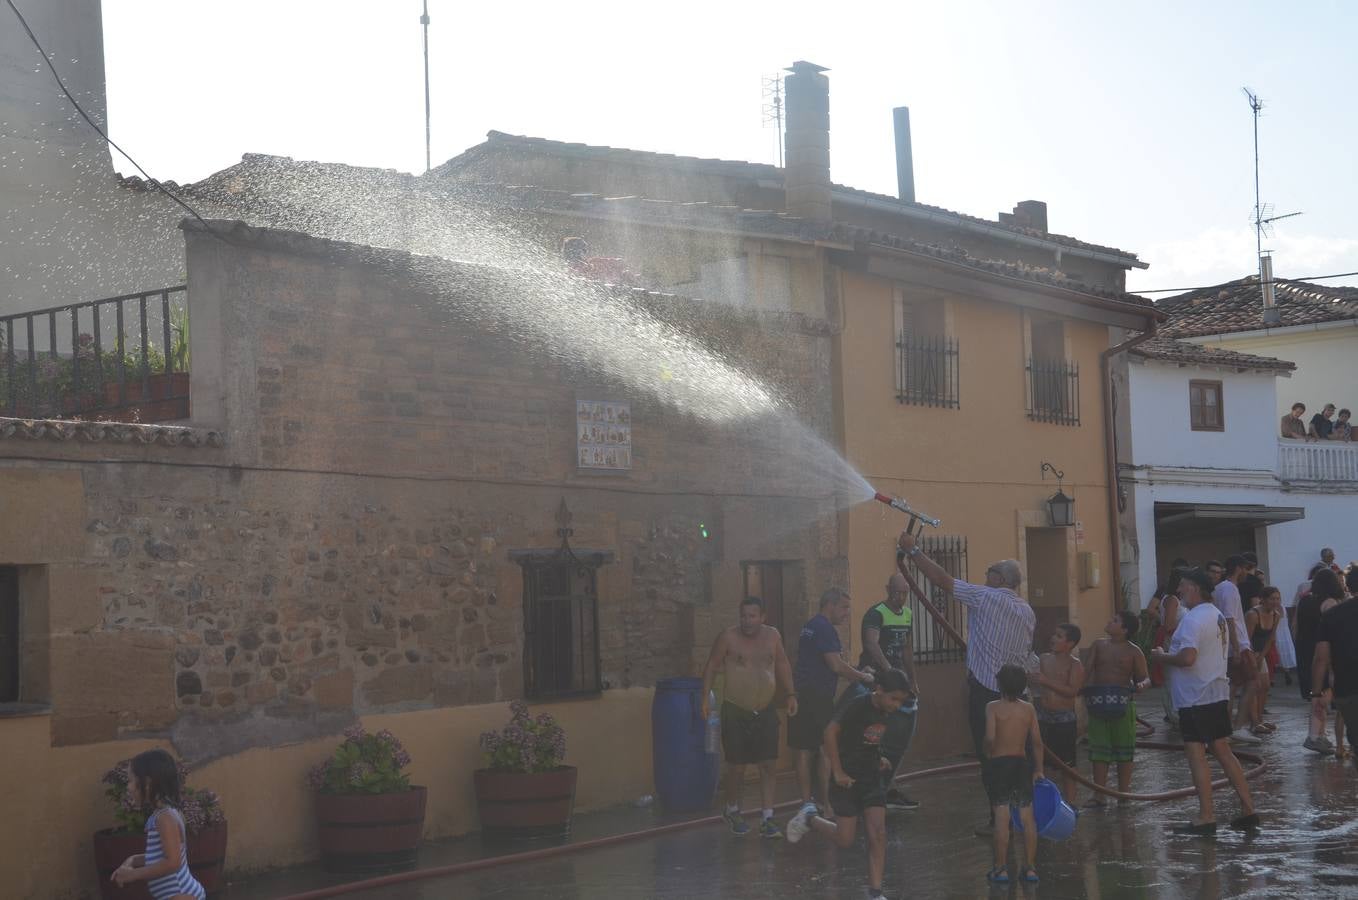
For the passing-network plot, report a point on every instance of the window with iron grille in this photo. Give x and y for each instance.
(1204, 406)
(926, 359)
(561, 627)
(1054, 391)
(932, 643)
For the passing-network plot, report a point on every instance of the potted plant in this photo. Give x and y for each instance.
(203, 820)
(524, 790)
(368, 815)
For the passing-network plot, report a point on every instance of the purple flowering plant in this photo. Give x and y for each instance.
(363, 764)
(526, 744)
(200, 808)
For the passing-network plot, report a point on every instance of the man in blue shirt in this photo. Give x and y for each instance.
(820, 665)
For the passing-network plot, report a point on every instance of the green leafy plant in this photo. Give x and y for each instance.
(526, 744)
(179, 341)
(200, 808)
(364, 764)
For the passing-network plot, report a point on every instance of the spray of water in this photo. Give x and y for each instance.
(513, 283)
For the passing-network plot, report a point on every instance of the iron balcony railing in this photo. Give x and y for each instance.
(927, 371)
(99, 359)
(1054, 391)
(931, 641)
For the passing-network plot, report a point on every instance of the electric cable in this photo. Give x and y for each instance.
(78, 108)
(1189, 290)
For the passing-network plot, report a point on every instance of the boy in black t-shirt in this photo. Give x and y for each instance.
(860, 772)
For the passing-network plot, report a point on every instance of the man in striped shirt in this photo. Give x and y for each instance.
(999, 631)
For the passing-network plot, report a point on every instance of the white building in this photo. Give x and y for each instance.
(1205, 474)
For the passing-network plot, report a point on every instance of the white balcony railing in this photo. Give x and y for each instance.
(1317, 461)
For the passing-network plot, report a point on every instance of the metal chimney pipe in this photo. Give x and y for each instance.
(905, 158)
(1271, 314)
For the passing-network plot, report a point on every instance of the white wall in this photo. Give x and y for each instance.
(68, 231)
(1326, 358)
(1161, 431)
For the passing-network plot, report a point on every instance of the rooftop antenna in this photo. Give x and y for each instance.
(1263, 220)
(773, 108)
(424, 21)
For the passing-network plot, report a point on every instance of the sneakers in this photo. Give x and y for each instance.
(768, 829)
(797, 826)
(1243, 735)
(897, 800)
(1320, 745)
(736, 822)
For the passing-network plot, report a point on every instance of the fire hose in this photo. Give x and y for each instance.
(1144, 728)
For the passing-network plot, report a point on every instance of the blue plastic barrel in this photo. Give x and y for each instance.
(685, 774)
(1054, 818)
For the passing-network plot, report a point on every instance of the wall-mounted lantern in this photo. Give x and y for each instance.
(1060, 508)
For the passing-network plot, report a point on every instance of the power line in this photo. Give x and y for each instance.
(1208, 287)
(78, 108)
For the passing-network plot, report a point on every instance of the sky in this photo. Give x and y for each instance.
(1127, 119)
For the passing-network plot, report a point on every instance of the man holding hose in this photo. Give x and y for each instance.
(1000, 631)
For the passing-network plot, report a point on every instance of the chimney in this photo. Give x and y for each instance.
(806, 179)
(1027, 214)
(905, 158)
(1271, 314)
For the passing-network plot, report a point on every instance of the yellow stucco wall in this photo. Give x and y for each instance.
(51, 856)
(978, 468)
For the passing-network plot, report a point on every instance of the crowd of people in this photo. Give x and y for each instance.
(1281, 634)
(1215, 636)
(1324, 425)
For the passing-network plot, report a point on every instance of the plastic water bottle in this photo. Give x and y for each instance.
(712, 737)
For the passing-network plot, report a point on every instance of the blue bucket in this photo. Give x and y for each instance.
(1054, 817)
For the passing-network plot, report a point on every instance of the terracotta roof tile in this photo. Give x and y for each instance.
(301, 196)
(109, 432)
(1170, 350)
(1239, 306)
(739, 169)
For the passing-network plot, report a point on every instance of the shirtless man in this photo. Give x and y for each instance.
(1056, 685)
(1115, 661)
(751, 654)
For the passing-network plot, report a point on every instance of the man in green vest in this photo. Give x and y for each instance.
(887, 644)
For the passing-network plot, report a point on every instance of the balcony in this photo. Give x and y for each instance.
(1318, 462)
(120, 359)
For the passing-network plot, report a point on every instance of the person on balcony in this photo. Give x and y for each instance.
(1321, 426)
(1292, 426)
(1342, 430)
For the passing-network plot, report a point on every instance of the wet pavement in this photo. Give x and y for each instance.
(1307, 847)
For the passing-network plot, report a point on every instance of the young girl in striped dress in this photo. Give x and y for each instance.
(165, 864)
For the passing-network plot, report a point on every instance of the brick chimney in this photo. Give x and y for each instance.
(1027, 214)
(806, 179)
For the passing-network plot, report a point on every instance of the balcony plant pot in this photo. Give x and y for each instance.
(206, 850)
(525, 804)
(370, 832)
(166, 399)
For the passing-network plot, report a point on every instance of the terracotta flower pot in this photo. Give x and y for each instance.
(525, 804)
(370, 832)
(207, 858)
(167, 400)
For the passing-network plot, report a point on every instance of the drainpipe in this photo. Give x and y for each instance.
(1110, 451)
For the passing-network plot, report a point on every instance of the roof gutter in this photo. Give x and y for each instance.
(1110, 452)
(995, 231)
(1222, 337)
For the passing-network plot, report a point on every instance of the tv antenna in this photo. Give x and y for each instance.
(424, 21)
(773, 108)
(1262, 217)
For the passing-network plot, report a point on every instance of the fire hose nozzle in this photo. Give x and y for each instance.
(898, 503)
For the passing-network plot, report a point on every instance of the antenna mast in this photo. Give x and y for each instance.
(773, 108)
(1256, 106)
(424, 21)
(1263, 220)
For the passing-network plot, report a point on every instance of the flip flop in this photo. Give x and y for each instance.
(998, 875)
(1030, 875)
(1203, 830)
